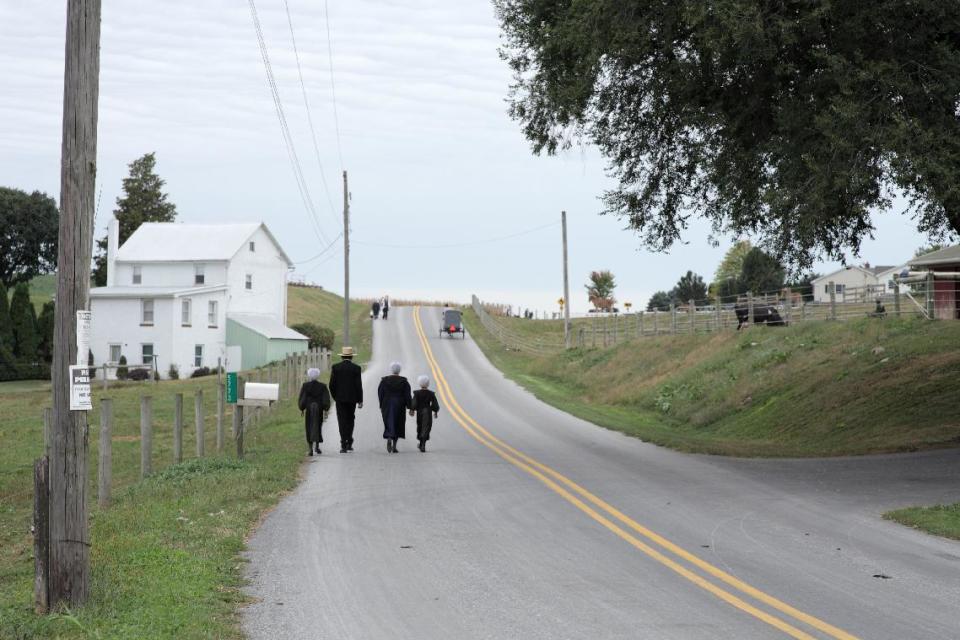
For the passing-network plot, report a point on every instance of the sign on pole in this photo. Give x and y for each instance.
(234, 360)
(84, 319)
(80, 396)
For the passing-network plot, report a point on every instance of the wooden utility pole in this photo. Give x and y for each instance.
(69, 559)
(566, 284)
(346, 262)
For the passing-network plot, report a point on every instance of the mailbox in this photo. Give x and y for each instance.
(261, 391)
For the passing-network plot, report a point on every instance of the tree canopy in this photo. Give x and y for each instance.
(761, 272)
(6, 322)
(788, 121)
(143, 200)
(28, 244)
(660, 301)
(690, 287)
(24, 320)
(600, 289)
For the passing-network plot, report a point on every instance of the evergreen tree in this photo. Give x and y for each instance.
(660, 301)
(690, 287)
(761, 273)
(24, 321)
(6, 322)
(45, 324)
(143, 200)
(28, 244)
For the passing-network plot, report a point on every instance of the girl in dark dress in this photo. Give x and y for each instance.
(427, 409)
(314, 404)
(394, 394)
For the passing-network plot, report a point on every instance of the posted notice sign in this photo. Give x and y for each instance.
(80, 396)
(84, 319)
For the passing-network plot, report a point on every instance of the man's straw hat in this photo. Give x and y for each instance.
(346, 352)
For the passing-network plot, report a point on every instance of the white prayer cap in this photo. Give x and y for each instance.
(423, 381)
(313, 373)
(395, 367)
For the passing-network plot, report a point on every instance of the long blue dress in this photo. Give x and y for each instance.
(395, 400)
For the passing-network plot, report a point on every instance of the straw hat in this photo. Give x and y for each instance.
(346, 352)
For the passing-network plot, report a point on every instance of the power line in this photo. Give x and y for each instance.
(333, 86)
(330, 257)
(285, 129)
(325, 249)
(306, 104)
(457, 244)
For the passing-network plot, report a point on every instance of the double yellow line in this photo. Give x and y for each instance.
(635, 534)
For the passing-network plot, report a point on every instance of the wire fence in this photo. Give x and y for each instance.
(788, 306)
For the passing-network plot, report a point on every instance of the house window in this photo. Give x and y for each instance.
(253, 246)
(199, 276)
(185, 318)
(146, 313)
(137, 274)
(826, 288)
(115, 353)
(840, 288)
(198, 355)
(212, 314)
(249, 282)
(146, 354)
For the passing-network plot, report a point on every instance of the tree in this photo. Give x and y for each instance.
(761, 273)
(317, 336)
(660, 301)
(45, 324)
(930, 248)
(600, 290)
(6, 322)
(24, 322)
(790, 121)
(690, 287)
(28, 244)
(143, 200)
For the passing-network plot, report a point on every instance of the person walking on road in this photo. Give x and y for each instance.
(314, 404)
(386, 307)
(375, 309)
(346, 387)
(426, 408)
(395, 400)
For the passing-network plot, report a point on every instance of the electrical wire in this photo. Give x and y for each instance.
(333, 86)
(325, 249)
(323, 262)
(457, 244)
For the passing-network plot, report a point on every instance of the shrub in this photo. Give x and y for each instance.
(173, 372)
(199, 372)
(122, 372)
(139, 374)
(317, 336)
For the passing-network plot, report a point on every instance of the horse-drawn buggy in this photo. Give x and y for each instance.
(453, 324)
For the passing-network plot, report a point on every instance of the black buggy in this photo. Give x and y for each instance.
(453, 323)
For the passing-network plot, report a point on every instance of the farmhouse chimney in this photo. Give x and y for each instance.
(113, 242)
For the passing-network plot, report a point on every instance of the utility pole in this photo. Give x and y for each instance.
(69, 554)
(566, 284)
(346, 262)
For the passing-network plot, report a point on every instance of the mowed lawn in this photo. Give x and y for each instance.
(165, 554)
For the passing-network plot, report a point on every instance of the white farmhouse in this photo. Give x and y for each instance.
(863, 283)
(179, 294)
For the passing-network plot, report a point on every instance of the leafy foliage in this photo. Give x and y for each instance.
(28, 244)
(123, 372)
(762, 273)
(6, 322)
(318, 337)
(173, 372)
(143, 200)
(660, 301)
(690, 287)
(45, 326)
(788, 121)
(24, 321)
(600, 289)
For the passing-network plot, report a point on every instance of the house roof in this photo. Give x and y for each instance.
(175, 242)
(266, 326)
(878, 270)
(151, 292)
(841, 270)
(948, 255)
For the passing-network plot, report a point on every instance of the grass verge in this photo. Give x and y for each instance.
(815, 389)
(940, 520)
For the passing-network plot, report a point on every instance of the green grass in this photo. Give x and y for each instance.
(310, 304)
(941, 520)
(164, 555)
(42, 290)
(813, 389)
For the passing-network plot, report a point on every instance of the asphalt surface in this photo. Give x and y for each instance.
(542, 525)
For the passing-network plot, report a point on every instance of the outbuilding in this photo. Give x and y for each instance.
(943, 267)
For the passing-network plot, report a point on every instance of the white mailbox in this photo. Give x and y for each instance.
(260, 393)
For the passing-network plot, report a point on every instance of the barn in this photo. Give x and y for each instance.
(944, 266)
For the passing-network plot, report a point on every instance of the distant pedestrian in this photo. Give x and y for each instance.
(314, 404)
(395, 400)
(386, 307)
(346, 387)
(426, 408)
(375, 308)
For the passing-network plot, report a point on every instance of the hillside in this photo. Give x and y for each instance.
(820, 388)
(310, 304)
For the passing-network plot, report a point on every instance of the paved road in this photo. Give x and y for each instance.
(523, 522)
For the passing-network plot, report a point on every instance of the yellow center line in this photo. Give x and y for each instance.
(554, 480)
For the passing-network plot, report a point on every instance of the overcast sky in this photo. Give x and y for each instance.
(432, 156)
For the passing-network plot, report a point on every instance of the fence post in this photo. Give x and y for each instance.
(803, 309)
(146, 436)
(104, 467)
(220, 392)
(640, 324)
(749, 308)
(833, 300)
(41, 535)
(198, 420)
(104, 376)
(47, 422)
(616, 326)
(656, 317)
(896, 298)
(718, 312)
(673, 317)
(693, 317)
(594, 335)
(931, 288)
(580, 338)
(178, 428)
(788, 307)
(238, 422)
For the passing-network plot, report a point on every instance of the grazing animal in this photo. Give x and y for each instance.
(762, 314)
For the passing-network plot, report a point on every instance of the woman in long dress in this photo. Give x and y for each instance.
(314, 404)
(395, 401)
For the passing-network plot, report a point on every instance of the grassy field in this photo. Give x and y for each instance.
(816, 389)
(165, 554)
(309, 304)
(942, 520)
(42, 289)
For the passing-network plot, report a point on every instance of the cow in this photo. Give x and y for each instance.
(762, 314)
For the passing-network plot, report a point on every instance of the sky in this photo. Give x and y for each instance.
(447, 200)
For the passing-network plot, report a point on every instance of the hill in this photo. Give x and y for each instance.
(312, 304)
(814, 389)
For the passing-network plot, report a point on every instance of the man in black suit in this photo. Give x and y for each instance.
(346, 388)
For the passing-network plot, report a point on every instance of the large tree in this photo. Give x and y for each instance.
(660, 301)
(6, 323)
(143, 200)
(690, 287)
(761, 273)
(790, 121)
(45, 326)
(26, 343)
(28, 244)
(600, 289)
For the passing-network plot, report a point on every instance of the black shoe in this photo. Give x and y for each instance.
(318, 449)
(310, 453)
(389, 447)
(350, 447)
(423, 446)
(343, 450)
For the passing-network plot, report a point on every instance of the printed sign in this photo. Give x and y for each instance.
(80, 396)
(84, 319)
(232, 387)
